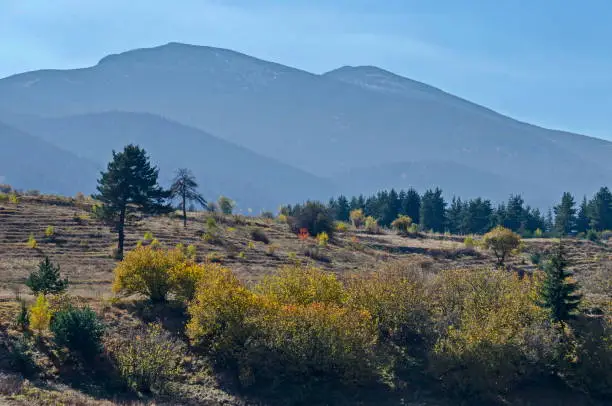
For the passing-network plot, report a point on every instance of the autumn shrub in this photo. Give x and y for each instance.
(148, 359)
(40, 314)
(469, 242)
(401, 224)
(184, 278)
(49, 231)
(304, 346)
(322, 239)
(257, 234)
(371, 225)
(493, 334)
(32, 243)
(79, 330)
(341, 227)
(398, 297)
(146, 271)
(218, 311)
(502, 242)
(302, 285)
(357, 218)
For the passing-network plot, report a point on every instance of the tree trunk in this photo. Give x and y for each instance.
(184, 210)
(121, 233)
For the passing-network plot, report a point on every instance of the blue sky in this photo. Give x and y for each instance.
(548, 62)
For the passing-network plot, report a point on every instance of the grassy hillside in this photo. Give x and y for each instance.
(83, 248)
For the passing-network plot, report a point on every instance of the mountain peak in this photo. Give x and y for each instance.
(375, 78)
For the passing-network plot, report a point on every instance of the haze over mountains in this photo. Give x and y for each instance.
(266, 134)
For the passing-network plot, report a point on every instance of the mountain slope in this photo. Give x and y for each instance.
(323, 124)
(221, 168)
(28, 162)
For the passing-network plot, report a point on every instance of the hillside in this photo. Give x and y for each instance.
(29, 162)
(222, 168)
(83, 248)
(323, 124)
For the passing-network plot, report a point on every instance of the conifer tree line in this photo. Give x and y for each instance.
(477, 216)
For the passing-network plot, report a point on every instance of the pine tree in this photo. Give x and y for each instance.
(582, 219)
(47, 279)
(515, 213)
(433, 209)
(559, 291)
(185, 188)
(565, 215)
(342, 209)
(600, 210)
(454, 215)
(410, 205)
(129, 185)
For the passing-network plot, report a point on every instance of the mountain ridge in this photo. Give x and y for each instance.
(322, 124)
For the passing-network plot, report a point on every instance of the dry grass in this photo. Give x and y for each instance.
(82, 247)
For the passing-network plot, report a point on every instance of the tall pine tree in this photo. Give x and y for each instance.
(582, 219)
(433, 208)
(559, 291)
(565, 215)
(129, 185)
(600, 210)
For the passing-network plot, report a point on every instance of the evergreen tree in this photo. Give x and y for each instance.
(130, 185)
(342, 209)
(565, 215)
(410, 205)
(389, 208)
(454, 216)
(600, 210)
(433, 209)
(185, 188)
(515, 213)
(559, 291)
(478, 216)
(549, 224)
(47, 279)
(582, 219)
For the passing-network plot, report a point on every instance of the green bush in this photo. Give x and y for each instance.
(47, 279)
(79, 330)
(148, 359)
(371, 225)
(257, 234)
(315, 217)
(592, 235)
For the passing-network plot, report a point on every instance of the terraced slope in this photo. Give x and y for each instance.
(83, 247)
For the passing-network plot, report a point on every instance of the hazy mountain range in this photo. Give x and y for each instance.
(266, 134)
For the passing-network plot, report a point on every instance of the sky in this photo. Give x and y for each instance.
(547, 62)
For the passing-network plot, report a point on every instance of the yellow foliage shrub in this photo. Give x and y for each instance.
(218, 312)
(357, 218)
(371, 225)
(298, 285)
(402, 223)
(40, 314)
(32, 243)
(184, 278)
(322, 239)
(310, 344)
(497, 334)
(398, 298)
(502, 242)
(49, 231)
(146, 271)
(341, 226)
